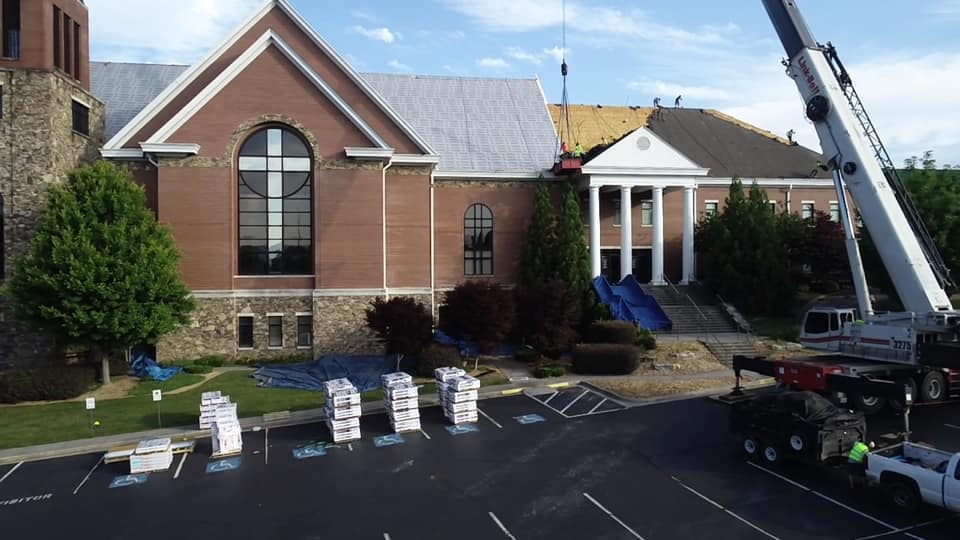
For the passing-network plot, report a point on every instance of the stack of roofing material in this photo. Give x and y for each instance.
(225, 431)
(151, 455)
(458, 394)
(209, 401)
(402, 401)
(343, 410)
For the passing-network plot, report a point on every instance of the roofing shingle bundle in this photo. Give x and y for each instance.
(225, 431)
(342, 410)
(458, 394)
(402, 402)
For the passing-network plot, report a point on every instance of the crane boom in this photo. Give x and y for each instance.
(853, 148)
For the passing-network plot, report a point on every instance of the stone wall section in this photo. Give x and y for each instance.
(37, 148)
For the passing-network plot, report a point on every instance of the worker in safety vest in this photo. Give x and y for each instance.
(577, 150)
(857, 463)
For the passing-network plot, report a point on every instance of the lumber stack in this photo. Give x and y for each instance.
(458, 394)
(402, 401)
(342, 410)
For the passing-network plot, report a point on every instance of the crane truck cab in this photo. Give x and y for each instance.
(823, 327)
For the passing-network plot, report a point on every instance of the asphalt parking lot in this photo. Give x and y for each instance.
(567, 464)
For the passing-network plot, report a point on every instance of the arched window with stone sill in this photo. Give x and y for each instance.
(275, 203)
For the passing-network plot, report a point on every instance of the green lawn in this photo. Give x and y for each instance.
(783, 328)
(146, 387)
(40, 424)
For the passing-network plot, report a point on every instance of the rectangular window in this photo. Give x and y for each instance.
(81, 118)
(76, 50)
(304, 331)
(773, 206)
(66, 43)
(834, 211)
(245, 331)
(10, 31)
(646, 213)
(806, 209)
(616, 211)
(56, 38)
(710, 208)
(275, 331)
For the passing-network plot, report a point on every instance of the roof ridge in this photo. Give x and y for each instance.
(456, 77)
(747, 125)
(138, 63)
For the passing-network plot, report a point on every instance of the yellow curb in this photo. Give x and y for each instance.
(511, 391)
(559, 385)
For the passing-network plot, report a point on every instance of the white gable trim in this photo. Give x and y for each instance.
(368, 153)
(170, 148)
(190, 75)
(238, 66)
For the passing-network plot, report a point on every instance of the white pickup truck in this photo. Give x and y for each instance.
(912, 473)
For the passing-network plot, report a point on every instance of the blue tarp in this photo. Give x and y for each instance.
(628, 302)
(142, 366)
(469, 350)
(363, 371)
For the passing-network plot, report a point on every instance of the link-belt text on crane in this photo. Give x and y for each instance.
(808, 75)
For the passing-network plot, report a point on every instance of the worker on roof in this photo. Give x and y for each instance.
(563, 149)
(656, 102)
(857, 463)
(676, 102)
(577, 150)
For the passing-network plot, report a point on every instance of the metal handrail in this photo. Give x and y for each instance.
(708, 334)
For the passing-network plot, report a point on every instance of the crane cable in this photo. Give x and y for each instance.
(563, 119)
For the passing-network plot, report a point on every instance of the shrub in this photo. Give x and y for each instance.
(527, 355)
(480, 312)
(827, 286)
(197, 368)
(404, 324)
(48, 383)
(212, 360)
(619, 332)
(605, 359)
(547, 315)
(435, 356)
(646, 339)
(287, 358)
(549, 371)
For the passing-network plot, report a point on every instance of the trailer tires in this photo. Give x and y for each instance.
(771, 454)
(751, 446)
(903, 494)
(933, 387)
(798, 443)
(870, 404)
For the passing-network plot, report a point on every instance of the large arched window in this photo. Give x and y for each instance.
(478, 241)
(275, 201)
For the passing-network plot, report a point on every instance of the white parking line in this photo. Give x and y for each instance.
(487, 416)
(905, 529)
(597, 406)
(553, 395)
(87, 477)
(180, 466)
(609, 513)
(386, 536)
(266, 446)
(564, 410)
(502, 528)
(11, 471)
(827, 498)
(952, 426)
(425, 434)
(721, 507)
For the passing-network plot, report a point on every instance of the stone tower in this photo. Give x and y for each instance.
(49, 124)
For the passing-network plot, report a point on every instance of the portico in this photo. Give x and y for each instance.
(641, 162)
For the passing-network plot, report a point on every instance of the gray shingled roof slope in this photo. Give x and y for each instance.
(474, 124)
(730, 150)
(490, 125)
(127, 88)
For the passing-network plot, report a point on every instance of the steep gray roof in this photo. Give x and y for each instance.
(474, 124)
(126, 89)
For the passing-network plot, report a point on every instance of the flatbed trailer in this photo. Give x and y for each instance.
(866, 385)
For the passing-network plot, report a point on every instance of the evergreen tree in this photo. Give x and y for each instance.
(538, 263)
(573, 265)
(100, 272)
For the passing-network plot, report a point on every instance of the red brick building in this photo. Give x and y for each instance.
(298, 189)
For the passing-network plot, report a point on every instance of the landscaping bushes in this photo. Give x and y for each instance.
(605, 359)
(197, 369)
(547, 315)
(618, 332)
(480, 312)
(45, 384)
(549, 371)
(646, 339)
(435, 356)
(212, 360)
(405, 325)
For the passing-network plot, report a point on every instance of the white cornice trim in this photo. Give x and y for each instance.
(770, 182)
(239, 65)
(481, 175)
(414, 159)
(253, 293)
(188, 76)
(645, 171)
(368, 153)
(320, 293)
(170, 148)
(121, 153)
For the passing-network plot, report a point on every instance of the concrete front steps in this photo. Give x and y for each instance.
(689, 317)
(724, 350)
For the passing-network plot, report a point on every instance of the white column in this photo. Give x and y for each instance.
(657, 270)
(688, 214)
(595, 231)
(626, 232)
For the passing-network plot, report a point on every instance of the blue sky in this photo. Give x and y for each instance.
(718, 54)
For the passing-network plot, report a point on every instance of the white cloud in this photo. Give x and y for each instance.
(668, 91)
(178, 31)
(383, 34)
(946, 8)
(363, 15)
(556, 53)
(493, 63)
(399, 66)
(519, 54)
